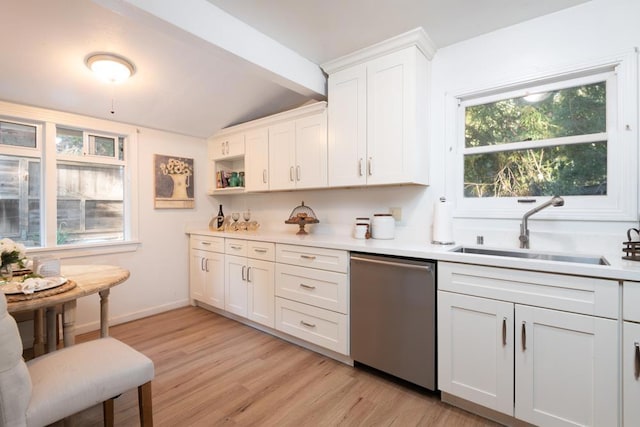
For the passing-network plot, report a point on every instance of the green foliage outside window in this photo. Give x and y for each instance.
(569, 169)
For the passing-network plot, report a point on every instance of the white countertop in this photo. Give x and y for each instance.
(618, 269)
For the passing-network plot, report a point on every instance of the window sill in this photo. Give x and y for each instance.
(74, 251)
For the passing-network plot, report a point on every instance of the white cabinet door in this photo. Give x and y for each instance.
(567, 368)
(261, 292)
(631, 373)
(235, 284)
(282, 156)
(256, 160)
(227, 146)
(390, 100)
(214, 279)
(197, 275)
(311, 151)
(347, 135)
(475, 350)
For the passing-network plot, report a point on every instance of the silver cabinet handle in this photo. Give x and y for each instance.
(227, 144)
(202, 264)
(302, 285)
(291, 174)
(264, 176)
(636, 368)
(312, 257)
(244, 268)
(206, 243)
(206, 265)
(248, 273)
(297, 173)
(308, 325)
(222, 146)
(260, 250)
(370, 166)
(360, 171)
(236, 247)
(524, 336)
(504, 331)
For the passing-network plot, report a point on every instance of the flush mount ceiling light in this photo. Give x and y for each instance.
(110, 68)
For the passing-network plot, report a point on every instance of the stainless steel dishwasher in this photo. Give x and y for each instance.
(393, 316)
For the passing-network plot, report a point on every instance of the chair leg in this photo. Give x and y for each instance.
(107, 413)
(144, 405)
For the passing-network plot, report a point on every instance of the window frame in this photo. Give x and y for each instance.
(48, 121)
(621, 201)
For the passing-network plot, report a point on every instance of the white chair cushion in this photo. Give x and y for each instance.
(15, 385)
(75, 378)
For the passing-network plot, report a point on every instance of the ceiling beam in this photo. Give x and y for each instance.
(239, 41)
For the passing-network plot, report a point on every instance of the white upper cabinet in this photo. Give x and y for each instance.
(227, 146)
(378, 113)
(298, 152)
(282, 156)
(257, 160)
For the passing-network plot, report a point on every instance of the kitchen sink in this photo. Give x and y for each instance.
(580, 259)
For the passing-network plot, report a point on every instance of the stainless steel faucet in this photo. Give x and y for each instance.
(524, 229)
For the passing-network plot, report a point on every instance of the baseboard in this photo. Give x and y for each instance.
(95, 325)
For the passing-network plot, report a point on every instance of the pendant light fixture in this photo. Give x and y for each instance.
(110, 68)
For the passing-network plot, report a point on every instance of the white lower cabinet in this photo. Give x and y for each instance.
(206, 271)
(249, 280)
(312, 295)
(631, 373)
(476, 350)
(631, 354)
(543, 366)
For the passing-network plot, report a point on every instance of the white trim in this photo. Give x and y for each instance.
(416, 37)
(88, 249)
(621, 202)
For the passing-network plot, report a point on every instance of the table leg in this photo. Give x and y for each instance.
(104, 313)
(69, 323)
(38, 332)
(52, 329)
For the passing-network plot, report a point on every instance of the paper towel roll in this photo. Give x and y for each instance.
(442, 229)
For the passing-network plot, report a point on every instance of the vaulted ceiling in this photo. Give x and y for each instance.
(204, 65)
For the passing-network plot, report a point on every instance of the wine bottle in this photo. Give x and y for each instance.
(220, 217)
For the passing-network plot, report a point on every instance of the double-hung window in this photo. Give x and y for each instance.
(572, 134)
(20, 181)
(90, 186)
(66, 184)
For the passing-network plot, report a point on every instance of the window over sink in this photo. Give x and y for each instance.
(571, 133)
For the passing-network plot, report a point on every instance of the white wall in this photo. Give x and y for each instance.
(585, 33)
(159, 268)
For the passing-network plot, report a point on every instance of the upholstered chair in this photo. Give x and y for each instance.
(56, 385)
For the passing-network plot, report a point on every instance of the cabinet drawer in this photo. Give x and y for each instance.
(325, 259)
(321, 327)
(324, 289)
(585, 295)
(235, 247)
(261, 250)
(211, 244)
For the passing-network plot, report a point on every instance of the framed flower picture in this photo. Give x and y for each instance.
(174, 186)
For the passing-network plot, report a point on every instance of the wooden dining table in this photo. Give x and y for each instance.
(89, 279)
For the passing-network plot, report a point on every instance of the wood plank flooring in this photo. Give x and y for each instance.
(213, 371)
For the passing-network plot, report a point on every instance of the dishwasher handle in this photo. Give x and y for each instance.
(393, 264)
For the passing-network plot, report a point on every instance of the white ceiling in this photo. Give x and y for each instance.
(188, 85)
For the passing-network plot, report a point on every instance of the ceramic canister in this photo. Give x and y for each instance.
(383, 226)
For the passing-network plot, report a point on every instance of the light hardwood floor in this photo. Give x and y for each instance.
(213, 371)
